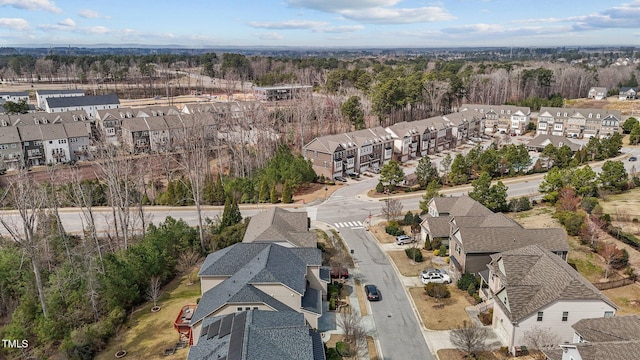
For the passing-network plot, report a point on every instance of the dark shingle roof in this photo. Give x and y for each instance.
(258, 335)
(244, 264)
(54, 92)
(494, 240)
(534, 277)
(618, 328)
(70, 101)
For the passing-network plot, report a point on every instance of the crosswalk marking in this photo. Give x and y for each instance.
(349, 224)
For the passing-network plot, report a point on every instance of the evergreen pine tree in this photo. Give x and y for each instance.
(273, 195)
(287, 196)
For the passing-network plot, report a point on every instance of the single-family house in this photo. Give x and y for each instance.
(90, 104)
(257, 335)
(43, 95)
(281, 226)
(534, 289)
(470, 248)
(260, 276)
(628, 93)
(456, 206)
(601, 338)
(437, 223)
(597, 93)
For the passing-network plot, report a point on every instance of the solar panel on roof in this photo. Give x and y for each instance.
(225, 326)
(237, 337)
(213, 329)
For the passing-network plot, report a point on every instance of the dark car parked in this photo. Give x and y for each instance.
(340, 178)
(372, 292)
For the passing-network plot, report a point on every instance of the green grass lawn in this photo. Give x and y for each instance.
(147, 334)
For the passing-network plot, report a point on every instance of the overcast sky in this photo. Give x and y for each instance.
(326, 23)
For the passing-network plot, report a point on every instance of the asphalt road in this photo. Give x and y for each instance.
(347, 210)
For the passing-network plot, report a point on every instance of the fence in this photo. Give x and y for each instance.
(613, 284)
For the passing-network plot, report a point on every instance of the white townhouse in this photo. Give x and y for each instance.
(43, 95)
(90, 104)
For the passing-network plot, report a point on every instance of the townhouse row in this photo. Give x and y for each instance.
(39, 138)
(358, 151)
(579, 123)
(156, 129)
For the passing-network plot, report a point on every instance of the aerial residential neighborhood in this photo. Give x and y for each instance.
(319, 180)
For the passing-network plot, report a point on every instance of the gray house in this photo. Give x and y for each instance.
(257, 335)
(628, 93)
(78, 135)
(260, 276)
(10, 147)
(32, 145)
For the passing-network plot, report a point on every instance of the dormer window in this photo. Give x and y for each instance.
(598, 116)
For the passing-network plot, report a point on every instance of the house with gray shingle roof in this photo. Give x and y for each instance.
(533, 288)
(597, 93)
(14, 96)
(471, 248)
(602, 338)
(78, 134)
(260, 276)
(282, 227)
(257, 334)
(539, 142)
(628, 93)
(503, 118)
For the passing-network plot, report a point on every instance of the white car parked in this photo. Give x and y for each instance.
(404, 239)
(435, 277)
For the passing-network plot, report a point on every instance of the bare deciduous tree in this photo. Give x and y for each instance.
(29, 200)
(611, 255)
(154, 291)
(354, 330)
(392, 209)
(468, 338)
(187, 260)
(539, 339)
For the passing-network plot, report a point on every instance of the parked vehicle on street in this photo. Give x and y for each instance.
(404, 239)
(633, 158)
(372, 292)
(375, 170)
(340, 178)
(339, 272)
(434, 277)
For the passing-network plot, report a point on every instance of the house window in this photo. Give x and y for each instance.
(608, 314)
(540, 313)
(62, 141)
(239, 308)
(458, 249)
(255, 308)
(4, 147)
(565, 315)
(247, 308)
(13, 146)
(315, 153)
